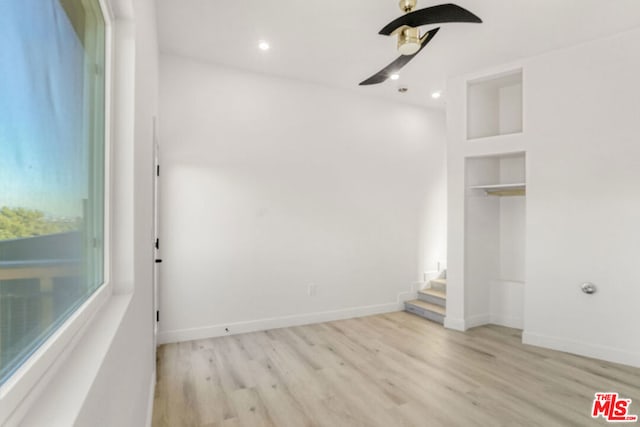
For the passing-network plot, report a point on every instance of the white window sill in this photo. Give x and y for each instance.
(59, 402)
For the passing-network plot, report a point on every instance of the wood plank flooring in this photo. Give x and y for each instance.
(387, 370)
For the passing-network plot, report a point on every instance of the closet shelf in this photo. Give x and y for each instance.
(517, 189)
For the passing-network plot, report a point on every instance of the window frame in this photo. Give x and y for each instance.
(30, 379)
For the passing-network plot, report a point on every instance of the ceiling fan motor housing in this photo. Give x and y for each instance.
(409, 41)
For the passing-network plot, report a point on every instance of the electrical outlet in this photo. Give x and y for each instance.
(311, 289)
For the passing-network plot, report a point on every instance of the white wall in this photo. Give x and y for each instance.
(512, 222)
(507, 290)
(510, 109)
(582, 120)
(269, 186)
(484, 100)
(482, 238)
(581, 125)
(119, 395)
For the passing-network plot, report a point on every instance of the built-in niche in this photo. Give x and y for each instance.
(494, 105)
(495, 213)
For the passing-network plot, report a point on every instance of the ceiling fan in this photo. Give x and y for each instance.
(410, 42)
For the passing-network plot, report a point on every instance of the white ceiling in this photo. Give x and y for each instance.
(336, 43)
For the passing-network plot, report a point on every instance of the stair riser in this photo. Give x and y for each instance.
(438, 287)
(430, 315)
(433, 299)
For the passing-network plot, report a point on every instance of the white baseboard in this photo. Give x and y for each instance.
(152, 393)
(477, 320)
(482, 319)
(583, 349)
(455, 324)
(277, 322)
(508, 321)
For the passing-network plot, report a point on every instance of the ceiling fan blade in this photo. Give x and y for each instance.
(431, 15)
(403, 60)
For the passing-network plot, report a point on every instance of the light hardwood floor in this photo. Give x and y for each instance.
(387, 370)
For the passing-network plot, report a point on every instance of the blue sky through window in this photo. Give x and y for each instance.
(43, 160)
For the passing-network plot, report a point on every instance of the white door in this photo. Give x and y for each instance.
(156, 229)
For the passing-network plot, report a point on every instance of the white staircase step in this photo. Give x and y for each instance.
(433, 296)
(425, 309)
(434, 292)
(428, 306)
(438, 284)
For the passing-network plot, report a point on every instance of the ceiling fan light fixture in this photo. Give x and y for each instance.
(407, 5)
(409, 41)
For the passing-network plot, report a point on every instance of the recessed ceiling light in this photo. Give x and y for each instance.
(263, 45)
(394, 76)
(436, 95)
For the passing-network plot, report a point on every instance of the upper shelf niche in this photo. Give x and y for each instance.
(494, 105)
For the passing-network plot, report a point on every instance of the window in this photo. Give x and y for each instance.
(52, 168)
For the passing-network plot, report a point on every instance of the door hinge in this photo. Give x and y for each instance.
(157, 170)
(157, 244)
(157, 315)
